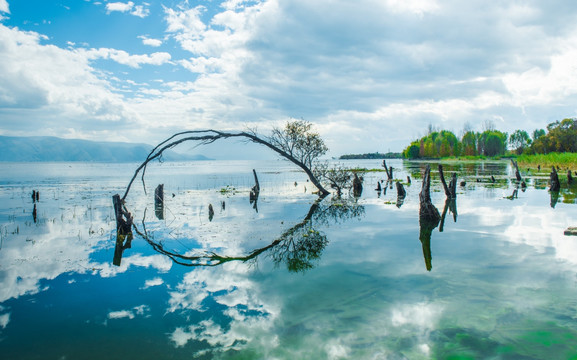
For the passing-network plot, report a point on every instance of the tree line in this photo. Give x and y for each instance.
(560, 136)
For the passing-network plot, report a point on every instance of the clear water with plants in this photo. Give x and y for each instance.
(289, 276)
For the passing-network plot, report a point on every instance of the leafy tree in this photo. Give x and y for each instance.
(492, 143)
(537, 133)
(412, 151)
(469, 143)
(436, 144)
(519, 140)
(299, 141)
(561, 137)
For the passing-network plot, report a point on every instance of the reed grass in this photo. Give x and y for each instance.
(563, 160)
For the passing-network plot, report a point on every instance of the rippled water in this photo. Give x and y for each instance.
(290, 278)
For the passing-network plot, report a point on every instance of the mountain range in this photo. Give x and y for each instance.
(46, 148)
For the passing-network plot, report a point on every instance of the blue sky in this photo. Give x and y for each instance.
(370, 74)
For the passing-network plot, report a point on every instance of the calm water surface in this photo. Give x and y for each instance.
(289, 278)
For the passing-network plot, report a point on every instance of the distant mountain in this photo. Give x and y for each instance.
(45, 148)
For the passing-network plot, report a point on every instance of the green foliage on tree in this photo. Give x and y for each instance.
(444, 143)
(519, 141)
(492, 143)
(561, 136)
(469, 143)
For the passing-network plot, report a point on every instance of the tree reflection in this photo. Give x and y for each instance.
(426, 230)
(298, 247)
(450, 205)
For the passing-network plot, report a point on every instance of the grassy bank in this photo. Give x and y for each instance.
(563, 160)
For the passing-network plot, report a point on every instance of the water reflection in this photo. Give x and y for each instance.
(503, 285)
(297, 247)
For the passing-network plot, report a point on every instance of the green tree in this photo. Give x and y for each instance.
(412, 151)
(537, 133)
(469, 143)
(492, 143)
(519, 140)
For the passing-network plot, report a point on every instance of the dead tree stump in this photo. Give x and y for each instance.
(357, 186)
(255, 191)
(517, 174)
(123, 218)
(159, 201)
(554, 179)
(569, 177)
(389, 171)
(427, 211)
(451, 190)
(400, 190)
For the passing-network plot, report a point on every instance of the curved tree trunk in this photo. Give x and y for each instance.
(209, 136)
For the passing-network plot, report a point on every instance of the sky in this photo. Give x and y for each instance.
(371, 75)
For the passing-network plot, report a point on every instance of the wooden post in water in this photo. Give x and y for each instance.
(554, 179)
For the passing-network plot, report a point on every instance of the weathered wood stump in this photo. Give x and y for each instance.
(517, 174)
(569, 177)
(357, 186)
(400, 190)
(378, 186)
(554, 180)
(159, 201)
(124, 236)
(255, 190)
(389, 171)
(427, 211)
(408, 180)
(451, 190)
(124, 219)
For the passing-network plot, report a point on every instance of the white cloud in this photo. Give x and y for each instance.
(153, 282)
(150, 42)
(129, 7)
(383, 63)
(121, 314)
(4, 320)
(129, 314)
(4, 7)
(124, 58)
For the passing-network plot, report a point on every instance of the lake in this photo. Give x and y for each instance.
(290, 277)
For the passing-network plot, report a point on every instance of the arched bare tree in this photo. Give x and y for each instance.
(296, 142)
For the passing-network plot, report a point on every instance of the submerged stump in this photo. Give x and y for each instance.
(357, 186)
(554, 180)
(427, 211)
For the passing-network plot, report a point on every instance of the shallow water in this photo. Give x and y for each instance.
(293, 278)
